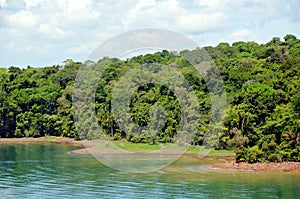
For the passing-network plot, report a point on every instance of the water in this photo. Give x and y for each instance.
(48, 171)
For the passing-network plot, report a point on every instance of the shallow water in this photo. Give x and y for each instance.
(48, 171)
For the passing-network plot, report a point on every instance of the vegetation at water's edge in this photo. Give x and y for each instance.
(261, 83)
(128, 146)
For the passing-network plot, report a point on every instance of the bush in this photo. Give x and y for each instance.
(117, 136)
(274, 157)
(240, 155)
(295, 154)
(135, 139)
(254, 154)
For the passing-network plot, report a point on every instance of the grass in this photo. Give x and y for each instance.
(128, 146)
(197, 149)
(47, 138)
(222, 152)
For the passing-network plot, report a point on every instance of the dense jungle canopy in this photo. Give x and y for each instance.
(261, 81)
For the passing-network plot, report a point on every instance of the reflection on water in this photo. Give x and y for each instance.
(138, 163)
(48, 171)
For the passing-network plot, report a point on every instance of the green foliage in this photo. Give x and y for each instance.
(262, 120)
(253, 154)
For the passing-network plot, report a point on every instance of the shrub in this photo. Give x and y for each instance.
(254, 154)
(274, 157)
(240, 155)
(117, 136)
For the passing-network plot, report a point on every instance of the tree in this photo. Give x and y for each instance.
(261, 85)
(290, 39)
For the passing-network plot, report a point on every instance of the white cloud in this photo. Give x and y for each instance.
(69, 28)
(241, 33)
(213, 4)
(83, 48)
(2, 3)
(17, 47)
(52, 31)
(78, 12)
(23, 19)
(152, 13)
(171, 14)
(33, 3)
(197, 23)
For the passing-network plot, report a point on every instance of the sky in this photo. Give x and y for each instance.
(46, 32)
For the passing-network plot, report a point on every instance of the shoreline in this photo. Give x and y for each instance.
(259, 166)
(225, 165)
(108, 151)
(46, 139)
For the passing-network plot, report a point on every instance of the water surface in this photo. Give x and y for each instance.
(46, 170)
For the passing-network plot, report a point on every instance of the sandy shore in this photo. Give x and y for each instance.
(50, 139)
(262, 166)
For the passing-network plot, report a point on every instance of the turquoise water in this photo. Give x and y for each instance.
(48, 171)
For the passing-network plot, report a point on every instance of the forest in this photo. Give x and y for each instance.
(261, 82)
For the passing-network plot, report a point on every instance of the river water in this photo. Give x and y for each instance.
(47, 170)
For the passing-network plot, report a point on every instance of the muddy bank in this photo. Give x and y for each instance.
(49, 139)
(262, 166)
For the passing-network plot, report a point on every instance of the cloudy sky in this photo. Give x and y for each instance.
(46, 32)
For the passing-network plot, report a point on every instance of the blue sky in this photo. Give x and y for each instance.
(47, 32)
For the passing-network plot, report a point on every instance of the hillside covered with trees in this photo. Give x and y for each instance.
(262, 84)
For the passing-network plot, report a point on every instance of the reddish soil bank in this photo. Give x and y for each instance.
(262, 166)
(41, 140)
